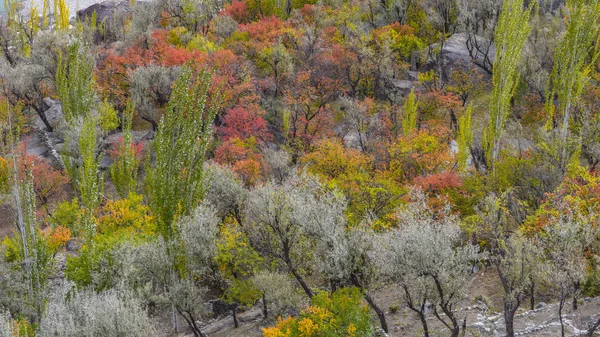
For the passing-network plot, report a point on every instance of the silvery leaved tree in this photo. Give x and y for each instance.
(428, 258)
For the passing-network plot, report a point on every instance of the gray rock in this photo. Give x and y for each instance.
(540, 305)
(106, 11)
(73, 245)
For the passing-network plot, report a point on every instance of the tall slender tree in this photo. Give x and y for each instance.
(464, 137)
(124, 171)
(409, 122)
(574, 58)
(511, 34)
(175, 179)
(74, 82)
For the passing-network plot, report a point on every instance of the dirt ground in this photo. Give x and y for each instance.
(542, 322)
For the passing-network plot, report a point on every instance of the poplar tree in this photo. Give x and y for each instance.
(124, 170)
(28, 250)
(511, 34)
(409, 123)
(61, 15)
(89, 181)
(33, 253)
(574, 58)
(175, 180)
(74, 82)
(464, 137)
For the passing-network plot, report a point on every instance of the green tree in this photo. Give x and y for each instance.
(89, 182)
(464, 137)
(74, 82)
(511, 34)
(29, 250)
(409, 123)
(124, 170)
(175, 180)
(573, 62)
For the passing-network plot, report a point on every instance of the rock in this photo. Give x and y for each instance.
(106, 11)
(105, 162)
(480, 326)
(73, 245)
(220, 308)
(53, 113)
(457, 56)
(405, 85)
(540, 305)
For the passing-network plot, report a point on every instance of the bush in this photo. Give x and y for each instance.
(121, 222)
(340, 314)
(87, 313)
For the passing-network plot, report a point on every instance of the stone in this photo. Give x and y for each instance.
(73, 245)
(540, 305)
(106, 11)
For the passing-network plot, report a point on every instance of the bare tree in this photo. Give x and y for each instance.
(479, 19)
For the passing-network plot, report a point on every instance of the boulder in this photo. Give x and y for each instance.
(457, 56)
(106, 11)
(73, 245)
(221, 308)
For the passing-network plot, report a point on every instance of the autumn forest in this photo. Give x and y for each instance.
(300, 168)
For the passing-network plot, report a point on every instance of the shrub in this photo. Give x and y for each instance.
(340, 314)
(87, 313)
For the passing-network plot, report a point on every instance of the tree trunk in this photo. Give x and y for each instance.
(236, 324)
(592, 329)
(424, 324)
(264, 308)
(303, 283)
(42, 116)
(379, 313)
(151, 121)
(561, 304)
(575, 290)
(509, 316)
(532, 298)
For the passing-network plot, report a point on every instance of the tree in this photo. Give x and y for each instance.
(150, 89)
(74, 82)
(464, 137)
(241, 122)
(361, 121)
(418, 153)
(49, 182)
(29, 250)
(26, 83)
(517, 260)
(565, 241)
(279, 62)
(274, 230)
(226, 192)
(574, 55)
(343, 254)
(480, 19)
(278, 292)
(89, 182)
(124, 170)
(409, 123)
(427, 258)
(510, 36)
(175, 179)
